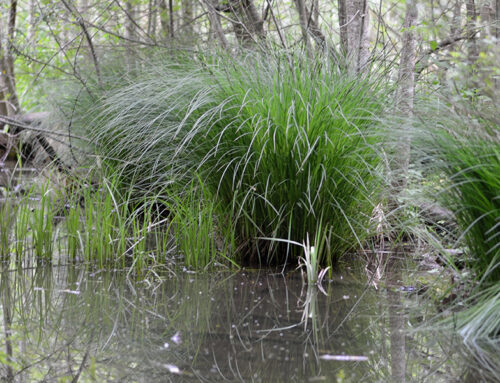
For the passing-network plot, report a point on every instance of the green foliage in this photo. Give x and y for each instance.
(194, 221)
(293, 151)
(287, 146)
(462, 142)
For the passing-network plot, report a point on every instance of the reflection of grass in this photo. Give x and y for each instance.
(132, 330)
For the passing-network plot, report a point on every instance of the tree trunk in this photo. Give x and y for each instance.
(405, 94)
(456, 20)
(215, 23)
(9, 102)
(472, 49)
(164, 19)
(343, 26)
(497, 21)
(248, 25)
(354, 28)
(304, 25)
(315, 11)
(171, 18)
(187, 15)
(130, 31)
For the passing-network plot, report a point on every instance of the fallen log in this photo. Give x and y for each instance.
(32, 122)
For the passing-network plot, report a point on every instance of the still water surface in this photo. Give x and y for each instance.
(69, 324)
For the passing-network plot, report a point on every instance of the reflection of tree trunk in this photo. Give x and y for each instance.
(396, 323)
(7, 319)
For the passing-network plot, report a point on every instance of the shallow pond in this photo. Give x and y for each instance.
(69, 324)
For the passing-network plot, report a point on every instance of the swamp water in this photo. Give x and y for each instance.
(74, 324)
(68, 324)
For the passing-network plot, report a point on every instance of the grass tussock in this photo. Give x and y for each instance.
(287, 147)
(462, 143)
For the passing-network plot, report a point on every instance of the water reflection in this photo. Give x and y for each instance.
(59, 324)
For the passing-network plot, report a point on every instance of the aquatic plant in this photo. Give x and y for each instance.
(286, 146)
(201, 234)
(7, 217)
(461, 142)
(294, 151)
(42, 224)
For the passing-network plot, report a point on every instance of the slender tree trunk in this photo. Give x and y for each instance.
(164, 19)
(154, 19)
(343, 26)
(315, 11)
(497, 21)
(171, 18)
(150, 17)
(248, 25)
(130, 31)
(354, 28)
(455, 27)
(187, 15)
(304, 25)
(405, 95)
(215, 23)
(9, 102)
(472, 49)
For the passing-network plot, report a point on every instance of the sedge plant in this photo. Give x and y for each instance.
(286, 145)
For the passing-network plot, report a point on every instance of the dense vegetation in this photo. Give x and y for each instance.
(265, 140)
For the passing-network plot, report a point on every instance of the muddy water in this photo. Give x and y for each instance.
(65, 324)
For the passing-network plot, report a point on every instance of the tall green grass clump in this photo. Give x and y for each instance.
(294, 152)
(462, 142)
(287, 146)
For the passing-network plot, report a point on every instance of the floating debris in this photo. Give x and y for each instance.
(345, 358)
(173, 369)
(176, 338)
